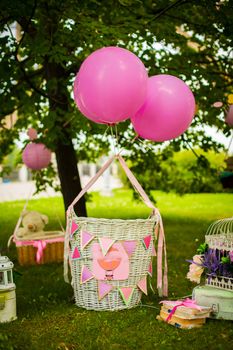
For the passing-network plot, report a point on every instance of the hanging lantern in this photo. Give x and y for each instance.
(36, 156)
(229, 116)
(7, 291)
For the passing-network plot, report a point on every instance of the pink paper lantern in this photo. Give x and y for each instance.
(229, 116)
(32, 133)
(36, 156)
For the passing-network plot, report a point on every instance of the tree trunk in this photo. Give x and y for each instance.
(69, 177)
(64, 149)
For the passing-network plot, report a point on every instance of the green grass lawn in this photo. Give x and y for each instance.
(47, 316)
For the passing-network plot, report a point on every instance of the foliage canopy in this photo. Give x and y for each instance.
(189, 39)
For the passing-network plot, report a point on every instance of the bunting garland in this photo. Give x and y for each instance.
(76, 254)
(103, 289)
(129, 246)
(142, 285)
(150, 269)
(146, 241)
(86, 238)
(126, 293)
(86, 275)
(74, 228)
(106, 244)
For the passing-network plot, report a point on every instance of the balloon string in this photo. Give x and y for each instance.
(190, 147)
(129, 143)
(106, 130)
(117, 143)
(146, 145)
(113, 140)
(135, 138)
(68, 121)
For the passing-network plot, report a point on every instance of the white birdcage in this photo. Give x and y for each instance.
(219, 237)
(7, 291)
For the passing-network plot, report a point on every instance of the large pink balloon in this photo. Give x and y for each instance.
(80, 106)
(168, 109)
(111, 85)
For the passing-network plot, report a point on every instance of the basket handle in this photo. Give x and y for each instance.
(136, 185)
(162, 283)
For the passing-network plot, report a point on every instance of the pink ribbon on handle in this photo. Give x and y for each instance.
(186, 302)
(40, 245)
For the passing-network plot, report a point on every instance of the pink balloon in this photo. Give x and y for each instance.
(229, 116)
(111, 85)
(36, 156)
(80, 106)
(168, 110)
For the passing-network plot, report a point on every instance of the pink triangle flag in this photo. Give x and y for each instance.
(105, 244)
(126, 293)
(86, 275)
(129, 246)
(150, 269)
(86, 238)
(74, 227)
(146, 241)
(103, 289)
(142, 284)
(153, 253)
(76, 254)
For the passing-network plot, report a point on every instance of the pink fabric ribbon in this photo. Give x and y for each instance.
(40, 245)
(190, 303)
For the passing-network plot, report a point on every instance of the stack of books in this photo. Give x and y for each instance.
(183, 315)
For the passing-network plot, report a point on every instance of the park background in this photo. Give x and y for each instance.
(43, 43)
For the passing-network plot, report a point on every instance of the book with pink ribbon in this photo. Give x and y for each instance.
(183, 313)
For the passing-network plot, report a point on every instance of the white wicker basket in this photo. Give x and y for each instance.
(219, 237)
(86, 294)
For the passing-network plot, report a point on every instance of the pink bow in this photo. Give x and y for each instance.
(40, 245)
(186, 302)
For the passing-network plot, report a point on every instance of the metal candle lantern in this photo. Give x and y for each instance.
(7, 291)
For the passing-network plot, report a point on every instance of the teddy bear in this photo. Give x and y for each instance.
(33, 224)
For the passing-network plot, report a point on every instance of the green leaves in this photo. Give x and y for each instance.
(55, 37)
(202, 248)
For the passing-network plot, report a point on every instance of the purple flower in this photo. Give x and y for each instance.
(212, 261)
(215, 262)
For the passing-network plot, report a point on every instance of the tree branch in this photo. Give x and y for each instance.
(25, 30)
(21, 63)
(183, 20)
(163, 11)
(5, 19)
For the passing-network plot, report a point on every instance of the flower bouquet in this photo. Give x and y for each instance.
(217, 265)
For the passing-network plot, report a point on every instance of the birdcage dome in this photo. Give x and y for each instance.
(219, 235)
